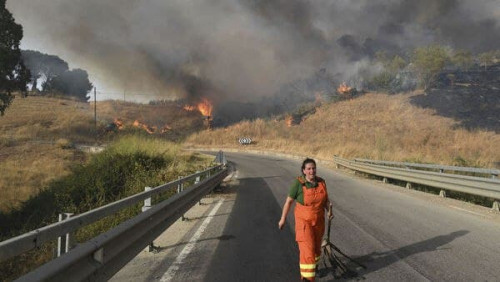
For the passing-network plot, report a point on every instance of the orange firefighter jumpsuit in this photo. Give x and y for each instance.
(310, 227)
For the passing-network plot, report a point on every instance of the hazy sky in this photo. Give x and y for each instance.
(241, 49)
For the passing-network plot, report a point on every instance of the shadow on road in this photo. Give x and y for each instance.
(378, 260)
(260, 251)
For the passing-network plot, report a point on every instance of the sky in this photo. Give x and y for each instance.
(241, 50)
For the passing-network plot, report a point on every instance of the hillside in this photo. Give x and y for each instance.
(167, 120)
(30, 156)
(472, 97)
(39, 137)
(376, 126)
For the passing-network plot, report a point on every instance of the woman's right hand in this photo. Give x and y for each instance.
(281, 223)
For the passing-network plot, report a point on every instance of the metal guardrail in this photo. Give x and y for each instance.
(493, 172)
(481, 186)
(102, 256)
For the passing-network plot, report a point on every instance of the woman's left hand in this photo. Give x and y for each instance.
(281, 223)
(330, 214)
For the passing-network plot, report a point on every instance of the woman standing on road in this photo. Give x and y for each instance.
(309, 191)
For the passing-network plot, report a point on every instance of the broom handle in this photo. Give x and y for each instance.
(329, 225)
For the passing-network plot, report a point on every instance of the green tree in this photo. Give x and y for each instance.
(13, 74)
(428, 62)
(392, 65)
(71, 83)
(387, 79)
(462, 59)
(396, 64)
(43, 65)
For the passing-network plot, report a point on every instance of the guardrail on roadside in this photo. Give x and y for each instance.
(441, 168)
(481, 186)
(104, 255)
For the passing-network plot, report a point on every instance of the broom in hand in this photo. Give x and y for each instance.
(331, 255)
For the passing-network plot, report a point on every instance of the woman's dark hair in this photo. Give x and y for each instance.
(307, 161)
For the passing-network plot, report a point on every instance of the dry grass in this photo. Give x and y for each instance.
(180, 122)
(30, 155)
(375, 126)
(46, 119)
(37, 136)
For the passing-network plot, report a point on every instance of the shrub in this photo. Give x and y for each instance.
(64, 143)
(123, 169)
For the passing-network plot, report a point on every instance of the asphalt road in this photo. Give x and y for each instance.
(397, 235)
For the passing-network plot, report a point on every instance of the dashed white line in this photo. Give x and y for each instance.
(170, 273)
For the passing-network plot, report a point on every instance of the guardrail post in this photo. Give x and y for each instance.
(196, 181)
(99, 256)
(442, 193)
(63, 243)
(147, 206)
(69, 244)
(180, 188)
(496, 206)
(147, 202)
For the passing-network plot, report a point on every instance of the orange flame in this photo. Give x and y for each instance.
(119, 123)
(189, 108)
(149, 129)
(165, 128)
(343, 88)
(205, 107)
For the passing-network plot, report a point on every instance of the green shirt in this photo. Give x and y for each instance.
(295, 191)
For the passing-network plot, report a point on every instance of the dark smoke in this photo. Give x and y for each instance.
(243, 50)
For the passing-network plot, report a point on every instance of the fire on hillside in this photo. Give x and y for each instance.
(205, 107)
(147, 128)
(118, 124)
(346, 91)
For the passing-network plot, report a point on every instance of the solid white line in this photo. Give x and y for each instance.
(466, 210)
(170, 273)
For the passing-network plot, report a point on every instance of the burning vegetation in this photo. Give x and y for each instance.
(162, 118)
(346, 91)
(291, 120)
(118, 125)
(147, 128)
(205, 107)
(189, 108)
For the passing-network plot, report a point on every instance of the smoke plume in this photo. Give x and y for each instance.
(242, 50)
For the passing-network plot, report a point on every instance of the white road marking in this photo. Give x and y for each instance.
(170, 273)
(466, 210)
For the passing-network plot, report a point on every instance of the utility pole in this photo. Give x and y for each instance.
(123, 95)
(95, 113)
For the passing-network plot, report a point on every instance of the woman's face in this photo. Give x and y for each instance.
(309, 171)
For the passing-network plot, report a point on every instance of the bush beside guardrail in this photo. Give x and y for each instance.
(105, 253)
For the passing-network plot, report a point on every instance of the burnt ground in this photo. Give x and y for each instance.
(471, 97)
